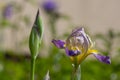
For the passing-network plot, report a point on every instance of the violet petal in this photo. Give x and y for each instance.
(101, 58)
(58, 43)
(72, 52)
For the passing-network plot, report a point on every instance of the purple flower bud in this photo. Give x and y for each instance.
(49, 6)
(8, 11)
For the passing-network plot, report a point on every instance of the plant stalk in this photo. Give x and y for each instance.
(76, 74)
(32, 68)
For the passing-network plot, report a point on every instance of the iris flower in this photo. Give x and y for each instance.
(78, 46)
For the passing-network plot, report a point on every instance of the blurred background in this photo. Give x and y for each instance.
(100, 18)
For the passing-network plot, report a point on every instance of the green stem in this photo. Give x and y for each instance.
(53, 30)
(32, 68)
(52, 22)
(76, 74)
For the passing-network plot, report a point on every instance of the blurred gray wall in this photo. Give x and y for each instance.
(96, 15)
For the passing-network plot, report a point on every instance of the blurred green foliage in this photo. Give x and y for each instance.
(17, 67)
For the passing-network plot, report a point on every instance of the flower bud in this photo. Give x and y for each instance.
(35, 36)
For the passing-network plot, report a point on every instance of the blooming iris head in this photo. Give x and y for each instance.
(78, 46)
(49, 6)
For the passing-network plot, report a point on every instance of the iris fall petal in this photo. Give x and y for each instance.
(58, 43)
(101, 58)
(72, 52)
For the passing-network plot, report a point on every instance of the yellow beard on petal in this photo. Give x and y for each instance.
(90, 51)
(79, 58)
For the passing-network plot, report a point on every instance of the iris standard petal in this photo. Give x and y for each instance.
(101, 58)
(80, 33)
(72, 52)
(58, 43)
